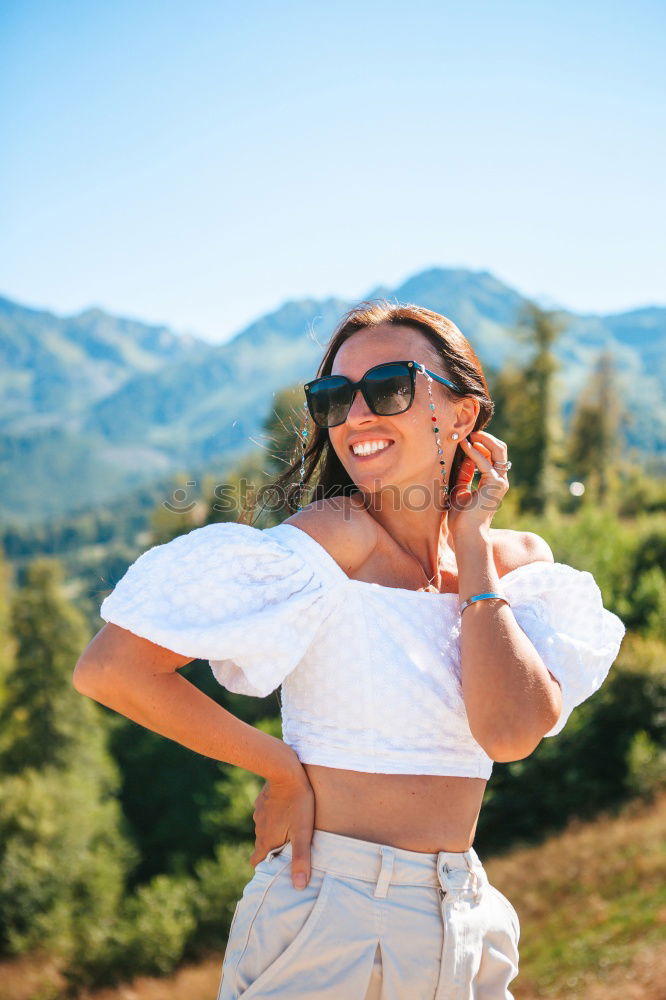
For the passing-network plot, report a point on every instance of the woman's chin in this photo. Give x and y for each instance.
(373, 484)
(417, 493)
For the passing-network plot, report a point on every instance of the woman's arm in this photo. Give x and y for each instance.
(511, 698)
(139, 679)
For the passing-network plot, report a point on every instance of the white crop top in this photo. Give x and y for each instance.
(370, 674)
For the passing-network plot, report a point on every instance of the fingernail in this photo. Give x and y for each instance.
(300, 880)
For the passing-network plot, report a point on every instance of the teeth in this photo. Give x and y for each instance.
(370, 447)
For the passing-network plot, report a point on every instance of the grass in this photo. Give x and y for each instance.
(592, 907)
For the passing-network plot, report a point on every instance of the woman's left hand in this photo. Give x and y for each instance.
(474, 511)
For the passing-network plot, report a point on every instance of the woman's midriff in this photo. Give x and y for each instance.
(417, 812)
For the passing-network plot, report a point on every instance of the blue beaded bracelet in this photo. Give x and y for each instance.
(479, 597)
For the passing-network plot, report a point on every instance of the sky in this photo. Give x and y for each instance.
(200, 164)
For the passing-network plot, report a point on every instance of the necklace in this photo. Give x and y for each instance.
(440, 568)
(428, 586)
(429, 580)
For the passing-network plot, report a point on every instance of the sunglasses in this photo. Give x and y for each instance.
(387, 389)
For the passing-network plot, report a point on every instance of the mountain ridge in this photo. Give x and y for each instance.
(110, 403)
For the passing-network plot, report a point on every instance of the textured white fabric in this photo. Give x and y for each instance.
(370, 674)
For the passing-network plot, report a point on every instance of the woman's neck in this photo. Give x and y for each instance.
(422, 533)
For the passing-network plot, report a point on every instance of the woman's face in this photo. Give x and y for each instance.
(411, 455)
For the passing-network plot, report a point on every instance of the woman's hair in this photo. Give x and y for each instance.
(453, 356)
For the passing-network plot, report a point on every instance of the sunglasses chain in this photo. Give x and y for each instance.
(304, 444)
(445, 486)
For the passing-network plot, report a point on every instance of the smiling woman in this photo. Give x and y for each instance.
(415, 645)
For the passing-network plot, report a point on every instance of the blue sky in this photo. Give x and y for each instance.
(199, 164)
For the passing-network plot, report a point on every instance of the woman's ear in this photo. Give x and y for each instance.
(467, 412)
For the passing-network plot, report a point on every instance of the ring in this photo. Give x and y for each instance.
(502, 466)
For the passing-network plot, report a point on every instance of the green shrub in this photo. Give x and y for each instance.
(62, 861)
(170, 918)
(149, 936)
(650, 602)
(219, 886)
(160, 917)
(646, 766)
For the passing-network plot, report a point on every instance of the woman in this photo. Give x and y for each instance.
(415, 645)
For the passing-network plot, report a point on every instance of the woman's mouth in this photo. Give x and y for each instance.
(365, 450)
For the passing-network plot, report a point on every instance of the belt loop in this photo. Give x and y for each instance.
(472, 868)
(388, 854)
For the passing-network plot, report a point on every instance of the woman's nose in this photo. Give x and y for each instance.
(359, 409)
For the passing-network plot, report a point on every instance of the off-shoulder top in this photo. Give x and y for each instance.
(370, 674)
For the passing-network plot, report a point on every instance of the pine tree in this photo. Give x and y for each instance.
(595, 434)
(43, 720)
(63, 856)
(528, 416)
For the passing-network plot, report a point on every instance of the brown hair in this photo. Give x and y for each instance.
(456, 358)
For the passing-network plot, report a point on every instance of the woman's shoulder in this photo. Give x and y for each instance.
(323, 520)
(513, 549)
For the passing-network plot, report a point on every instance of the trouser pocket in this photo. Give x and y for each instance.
(499, 953)
(272, 924)
(510, 909)
(480, 944)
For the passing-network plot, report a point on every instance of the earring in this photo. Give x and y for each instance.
(454, 436)
(445, 486)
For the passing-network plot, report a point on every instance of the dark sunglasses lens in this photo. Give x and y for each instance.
(329, 401)
(389, 389)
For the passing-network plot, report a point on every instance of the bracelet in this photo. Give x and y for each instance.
(479, 597)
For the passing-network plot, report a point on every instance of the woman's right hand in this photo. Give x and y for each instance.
(285, 810)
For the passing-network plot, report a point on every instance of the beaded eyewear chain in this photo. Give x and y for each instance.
(304, 443)
(445, 492)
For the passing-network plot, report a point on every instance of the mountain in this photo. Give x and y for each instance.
(95, 405)
(52, 366)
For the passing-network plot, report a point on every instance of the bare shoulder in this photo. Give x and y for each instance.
(342, 526)
(518, 548)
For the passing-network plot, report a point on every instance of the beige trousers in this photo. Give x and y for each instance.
(375, 922)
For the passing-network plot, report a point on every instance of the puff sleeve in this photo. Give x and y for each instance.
(561, 611)
(227, 593)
